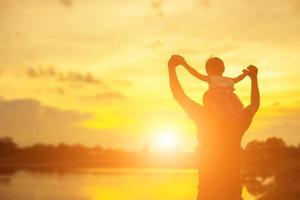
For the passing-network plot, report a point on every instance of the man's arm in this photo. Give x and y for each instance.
(249, 112)
(186, 103)
(195, 72)
(255, 96)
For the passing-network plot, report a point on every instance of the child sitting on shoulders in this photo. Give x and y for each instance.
(220, 96)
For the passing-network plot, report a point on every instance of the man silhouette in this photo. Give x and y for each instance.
(219, 140)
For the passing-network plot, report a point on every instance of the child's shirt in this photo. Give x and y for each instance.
(221, 82)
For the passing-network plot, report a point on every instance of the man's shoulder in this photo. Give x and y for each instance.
(197, 114)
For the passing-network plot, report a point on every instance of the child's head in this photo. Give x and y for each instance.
(214, 66)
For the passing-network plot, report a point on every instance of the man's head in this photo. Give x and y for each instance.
(214, 66)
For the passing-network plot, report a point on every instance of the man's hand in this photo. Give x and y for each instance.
(255, 96)
(251, 71)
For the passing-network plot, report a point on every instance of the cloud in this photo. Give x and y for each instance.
(156, 5)
(156, 44)
(295, 4)
(60, 91)
(60, 76)
(110, 96)
(28, 120)
(204, 3)
(123, 82)
(67, 3)
(4, 4)
(75, 76)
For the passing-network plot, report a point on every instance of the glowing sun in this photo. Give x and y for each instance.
(166, 140)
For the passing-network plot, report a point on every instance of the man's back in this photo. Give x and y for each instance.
(219, 155)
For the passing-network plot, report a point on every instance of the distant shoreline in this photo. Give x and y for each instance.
(72, 167)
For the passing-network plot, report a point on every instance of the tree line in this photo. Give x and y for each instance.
(270, 168)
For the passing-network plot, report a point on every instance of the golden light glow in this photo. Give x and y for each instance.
(157, 187)
(166, 140)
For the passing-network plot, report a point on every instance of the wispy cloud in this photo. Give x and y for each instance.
(60, 91)
(104, 97)
(156, 44)
(29, 119)
(123, 82)
(61, 76)
(110, 96)
(204, 3)
(67, 3)
(156, 5)
(4, 4)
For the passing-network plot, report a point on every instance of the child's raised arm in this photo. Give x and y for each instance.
(240, 77)
(195, 72)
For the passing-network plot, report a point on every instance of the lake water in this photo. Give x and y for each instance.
(101, 184)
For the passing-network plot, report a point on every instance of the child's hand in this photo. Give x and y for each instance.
(184, 63)
(246, 72)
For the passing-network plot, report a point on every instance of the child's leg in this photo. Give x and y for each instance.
(217, 102)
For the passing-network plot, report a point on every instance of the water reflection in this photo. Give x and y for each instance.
(136, 184)
(283, 183)
(102, 184)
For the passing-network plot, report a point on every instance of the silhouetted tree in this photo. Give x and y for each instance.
(7, 147)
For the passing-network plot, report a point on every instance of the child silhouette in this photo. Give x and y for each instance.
(220, 96)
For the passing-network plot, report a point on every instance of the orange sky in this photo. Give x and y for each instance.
(94, 72)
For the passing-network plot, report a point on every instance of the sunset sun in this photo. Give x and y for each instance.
(166, 140)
